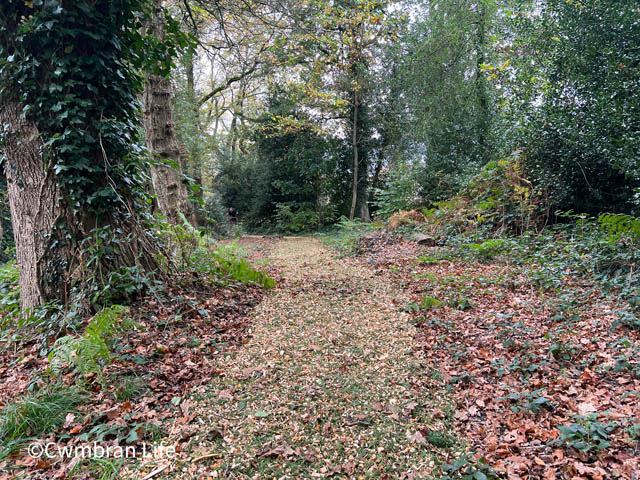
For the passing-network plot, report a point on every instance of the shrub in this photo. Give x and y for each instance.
(401, 192)
(499, 198)
(239, 269)
(346, 235)
(196, 252)
(489, 249)
(216, 215)
(294, 218)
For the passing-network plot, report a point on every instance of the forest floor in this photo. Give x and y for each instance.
(329, 383)
(349, 374)
(404, 362)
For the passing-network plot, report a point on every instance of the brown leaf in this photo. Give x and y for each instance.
(416, 437)
(282, 450)
(69, 419)
(76, 429)
(586, 407)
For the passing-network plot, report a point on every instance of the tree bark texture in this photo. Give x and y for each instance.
(171, 192)
(354, 189)
(36, 205)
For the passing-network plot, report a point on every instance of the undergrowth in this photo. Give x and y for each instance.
(91, 351)
(79, 350)
(345, 235)
(35, 415)
(588, 250)
(194, 251)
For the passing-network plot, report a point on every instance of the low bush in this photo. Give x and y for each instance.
(294, 218)
(194, 251)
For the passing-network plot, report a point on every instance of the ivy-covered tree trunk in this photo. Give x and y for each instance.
(171, 193)
(69, 141)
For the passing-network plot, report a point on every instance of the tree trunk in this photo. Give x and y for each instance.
(481, 90)
(354, 190)
(36, 205)
(365, 216)
(51, 241)
(195, 156)
(171, 192)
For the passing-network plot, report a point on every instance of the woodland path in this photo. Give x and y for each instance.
(328, 385)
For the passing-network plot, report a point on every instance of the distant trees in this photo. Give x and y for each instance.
(440, 100)
(286, 171)
(552, 81)
(574, 94)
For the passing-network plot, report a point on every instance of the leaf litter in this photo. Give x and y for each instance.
(544, 385)
(328, 386)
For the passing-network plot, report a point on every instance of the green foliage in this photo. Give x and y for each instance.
(36, 414)
(427, 260)
(346, 234)
(586, 434)
(130, 387)
(629, 319)
(195, 252)
(620, 227)
(127, 433)
(55, 62)
(240, 270)
(216, 215)
(302, 220)
(401, 192)
(7, 244)
(468, 468)
(634, 431)
(289, 178)
(489, 249)
(9, 293)
(443, 132)
(90, 352)
(533, 402)
(428, 303)
(604, 251)
(440, 439)
(98, 468)
(496, 199)
(460, 303)
(571, 100)
(237, 230)
(563, 351)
